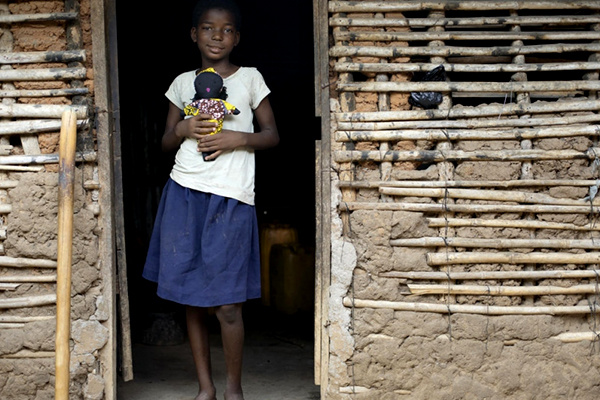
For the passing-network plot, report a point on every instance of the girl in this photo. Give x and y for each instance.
(204, 248)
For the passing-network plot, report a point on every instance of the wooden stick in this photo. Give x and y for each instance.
(43, 56)
(471, 112)
(574, 337)
(503, 87)
(44, 92)
(424, 67)
(9, 286)
(459, 155)
(30, 301)
(471, 5)
(30, 354)
(467, 134)
(499, 243)
(494, 275)
(467, 208)
(68, 137)
(538, 20)
(21, 319)
(42, 74)
(14, 18)
(4, 325)
(44, 158)
(34, 126)
(39, 110)
(26, 262)
(469, 124)
(7, 185)
(465, 309)
(489, 195)
(28, 278)
(506, 223)
(451, 184)
(15, 168)
(446, 51)
(481, 290)
(375, 36)
(511, 258)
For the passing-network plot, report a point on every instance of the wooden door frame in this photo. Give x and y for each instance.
(322, 195)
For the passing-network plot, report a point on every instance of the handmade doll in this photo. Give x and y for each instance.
(210, 99)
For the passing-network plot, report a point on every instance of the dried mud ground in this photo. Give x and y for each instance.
(278, 365)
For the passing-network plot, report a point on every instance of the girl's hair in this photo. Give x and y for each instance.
(228, 5)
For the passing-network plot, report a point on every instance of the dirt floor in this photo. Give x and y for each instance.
(278, 365)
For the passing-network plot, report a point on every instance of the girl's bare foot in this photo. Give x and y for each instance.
(207, 395)
(233, 395)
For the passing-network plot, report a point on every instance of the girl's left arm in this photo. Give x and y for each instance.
(266, 138)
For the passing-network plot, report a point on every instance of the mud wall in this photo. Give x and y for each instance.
(402, 324)
(27, 312)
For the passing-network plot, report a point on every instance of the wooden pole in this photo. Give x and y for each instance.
(464, 5)
(508, 223)
(42, 56)
(468, 208)
(498, 243)
(66, 179)
(512, 258)
(456, 184)
(537, 20)
(484, 290)
(493, 275)
(464, 308)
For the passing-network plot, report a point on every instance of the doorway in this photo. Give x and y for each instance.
(153, 47)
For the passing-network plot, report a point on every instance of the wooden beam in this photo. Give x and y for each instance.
(42, 57)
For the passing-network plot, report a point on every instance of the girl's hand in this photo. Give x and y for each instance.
(195, 127)
(223, 141)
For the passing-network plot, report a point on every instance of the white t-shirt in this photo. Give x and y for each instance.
(231, 174)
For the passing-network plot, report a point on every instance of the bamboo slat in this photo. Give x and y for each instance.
(481, 290)
(469, 123)
(459, 155)
(465, 68)
(9, 286)
(30, 301)
(15, 18)
(22, 319)
(11, 325)
(499, 87)
(16, 168)
(43, 159)
(456, 184)
(43, 56)
(447, 51)
(465, 309)
(39, 110)
(498, 243)
(465, 5)
(42, 74)
(506, 223)
(468, 208)
(30, 354)
(574, 337)
(26, 262)
(491, 195)
(494, 275)
(511, 258)
(467, 134)
(28, 278)
(465, 35)
(538, 20)
(34, 126)
(44, 92)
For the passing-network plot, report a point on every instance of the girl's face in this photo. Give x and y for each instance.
(215, 34)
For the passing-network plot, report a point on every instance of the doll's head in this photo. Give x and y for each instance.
(209, 85)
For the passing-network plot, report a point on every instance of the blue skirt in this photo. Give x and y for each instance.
(204, 249)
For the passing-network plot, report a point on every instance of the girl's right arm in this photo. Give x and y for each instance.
(177, 128)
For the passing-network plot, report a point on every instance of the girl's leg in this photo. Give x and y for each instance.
(232, 332)
(197, 326)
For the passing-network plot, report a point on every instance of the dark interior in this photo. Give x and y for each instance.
(154, 46)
